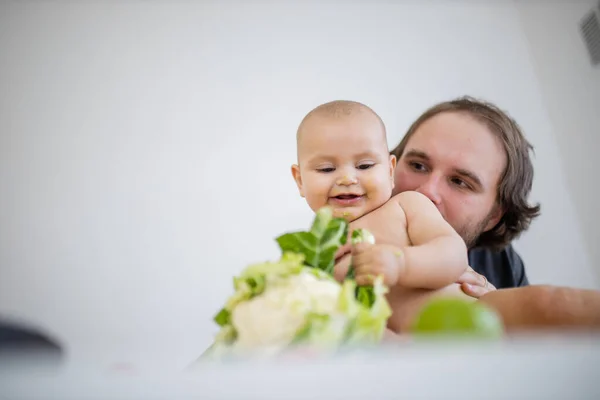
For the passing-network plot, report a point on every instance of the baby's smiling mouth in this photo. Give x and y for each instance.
(348, 196)
(347, 199)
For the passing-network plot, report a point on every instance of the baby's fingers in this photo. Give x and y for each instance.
(365, 279)
(343, 251)
(360, 248)
(341, 268)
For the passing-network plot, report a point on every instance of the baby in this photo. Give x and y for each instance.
(343, 162)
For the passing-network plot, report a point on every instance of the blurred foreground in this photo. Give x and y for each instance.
(549, 366)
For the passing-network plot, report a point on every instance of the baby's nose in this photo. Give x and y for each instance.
(346, 180)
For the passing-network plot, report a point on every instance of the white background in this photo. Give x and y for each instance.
(145, 147)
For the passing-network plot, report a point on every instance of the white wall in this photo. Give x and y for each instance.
(135, 165)
(570, 88)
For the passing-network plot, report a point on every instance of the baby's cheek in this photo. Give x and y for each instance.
(318, 196)
(316, 202)
(379, 188)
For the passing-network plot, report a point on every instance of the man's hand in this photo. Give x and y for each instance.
(474, 284)
(546, 308)
(372, 260)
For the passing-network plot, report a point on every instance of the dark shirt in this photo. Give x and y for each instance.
(503, 268)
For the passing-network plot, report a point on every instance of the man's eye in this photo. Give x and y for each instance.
(327, 169)
(417, 166)
(459, 182)
(365, 166)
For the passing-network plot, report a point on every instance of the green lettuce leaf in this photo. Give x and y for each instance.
(364, 294)
(320, 329)
(370, 322)
(352, 323)
(320, 244)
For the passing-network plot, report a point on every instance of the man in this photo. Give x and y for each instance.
(472, 161)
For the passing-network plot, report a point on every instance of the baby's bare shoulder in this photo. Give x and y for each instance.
(387, 223)
(416, 205)
(412, 203)
(409, 197)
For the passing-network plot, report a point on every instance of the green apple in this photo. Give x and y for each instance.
(450, 316)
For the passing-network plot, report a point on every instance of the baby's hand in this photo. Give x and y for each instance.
(372, 260)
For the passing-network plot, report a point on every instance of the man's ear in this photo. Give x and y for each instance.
(495, 217)
(298, 178)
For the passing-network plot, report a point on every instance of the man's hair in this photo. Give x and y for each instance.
(517, 178)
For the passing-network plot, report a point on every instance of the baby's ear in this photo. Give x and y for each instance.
(393, 162)
(392, 169)
(298, 178)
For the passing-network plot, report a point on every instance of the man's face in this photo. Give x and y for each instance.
(344, 163)
(457, 162)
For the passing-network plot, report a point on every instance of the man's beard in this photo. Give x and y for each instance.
(471, 232)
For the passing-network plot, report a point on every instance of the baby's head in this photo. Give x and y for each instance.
(343, 159)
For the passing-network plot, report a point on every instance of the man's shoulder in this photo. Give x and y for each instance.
(506, 254)
(504, 268)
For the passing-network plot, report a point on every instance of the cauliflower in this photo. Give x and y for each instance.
(296, 301)
(273, 318)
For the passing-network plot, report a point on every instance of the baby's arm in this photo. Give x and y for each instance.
(437, 255)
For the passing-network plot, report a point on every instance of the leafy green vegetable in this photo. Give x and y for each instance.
(222, 317)
(359, 236)
(296, 300)
(252, 282)
(320, 244)
(362, 236)
(364, 294)
(456, 317)
(367, 323)
(318, 329)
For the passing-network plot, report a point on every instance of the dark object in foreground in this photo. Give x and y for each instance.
(20, 343)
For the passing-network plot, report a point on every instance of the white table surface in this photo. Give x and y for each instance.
(550, 367)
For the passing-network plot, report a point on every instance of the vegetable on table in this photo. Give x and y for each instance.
(455, 318)
(295, 301)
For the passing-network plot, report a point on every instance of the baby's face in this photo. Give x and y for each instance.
(344, 163)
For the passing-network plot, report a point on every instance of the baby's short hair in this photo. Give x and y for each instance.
(338, 109)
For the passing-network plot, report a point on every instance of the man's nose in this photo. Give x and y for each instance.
(431, 188)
